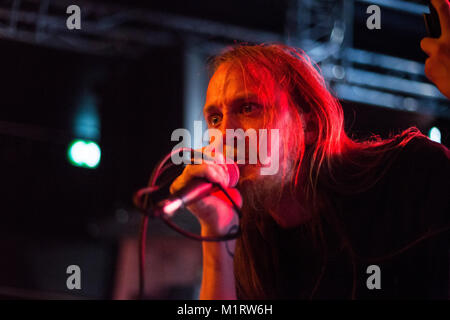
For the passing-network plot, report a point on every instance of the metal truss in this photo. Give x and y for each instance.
(110, 29)
(323, 28)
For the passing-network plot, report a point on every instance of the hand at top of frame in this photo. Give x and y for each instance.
(437, 66)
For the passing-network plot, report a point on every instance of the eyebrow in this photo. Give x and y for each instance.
(239, 98)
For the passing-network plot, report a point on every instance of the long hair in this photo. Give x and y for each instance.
(333, 161)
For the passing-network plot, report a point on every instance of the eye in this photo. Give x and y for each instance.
(214, 119)
(249, 108)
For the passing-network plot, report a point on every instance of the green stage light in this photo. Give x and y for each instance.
(85, 154)
(435, 134)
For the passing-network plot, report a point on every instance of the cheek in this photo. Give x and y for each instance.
(252, 124)
(281, 145)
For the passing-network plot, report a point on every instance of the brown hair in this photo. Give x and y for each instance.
(333, 161)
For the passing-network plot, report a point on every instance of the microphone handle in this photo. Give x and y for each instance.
(194, 191)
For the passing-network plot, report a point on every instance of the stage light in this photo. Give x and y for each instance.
(435, 134)
(84, 153)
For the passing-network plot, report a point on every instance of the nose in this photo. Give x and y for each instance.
(231, 123)
(228, 122)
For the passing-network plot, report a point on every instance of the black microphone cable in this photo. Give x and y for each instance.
(143, 201)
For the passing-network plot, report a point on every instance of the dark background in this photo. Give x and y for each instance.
(53, 214)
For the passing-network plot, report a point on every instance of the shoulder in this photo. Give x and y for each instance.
(426, 149)
(411, 195)
(419, 181)
(421, 160)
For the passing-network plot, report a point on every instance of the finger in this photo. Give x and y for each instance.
(212, 154)
(210, 172)
(221, 169)
(429, 45)
(218, 159)
(233, 193)
(205, 171)
(443, 9)
(428, 69)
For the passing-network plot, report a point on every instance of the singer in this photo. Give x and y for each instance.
(336, 205)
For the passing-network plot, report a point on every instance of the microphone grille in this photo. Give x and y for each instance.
(233, 173)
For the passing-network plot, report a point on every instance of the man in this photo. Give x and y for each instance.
(336, 206)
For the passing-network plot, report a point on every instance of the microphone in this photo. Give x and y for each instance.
(194, 191)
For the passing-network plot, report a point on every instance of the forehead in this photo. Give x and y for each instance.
(228, 82)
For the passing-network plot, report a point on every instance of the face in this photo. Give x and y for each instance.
(232, 103)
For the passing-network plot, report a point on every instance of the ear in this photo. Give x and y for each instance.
(309, 127)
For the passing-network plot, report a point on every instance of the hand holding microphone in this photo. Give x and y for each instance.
(211, 207)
